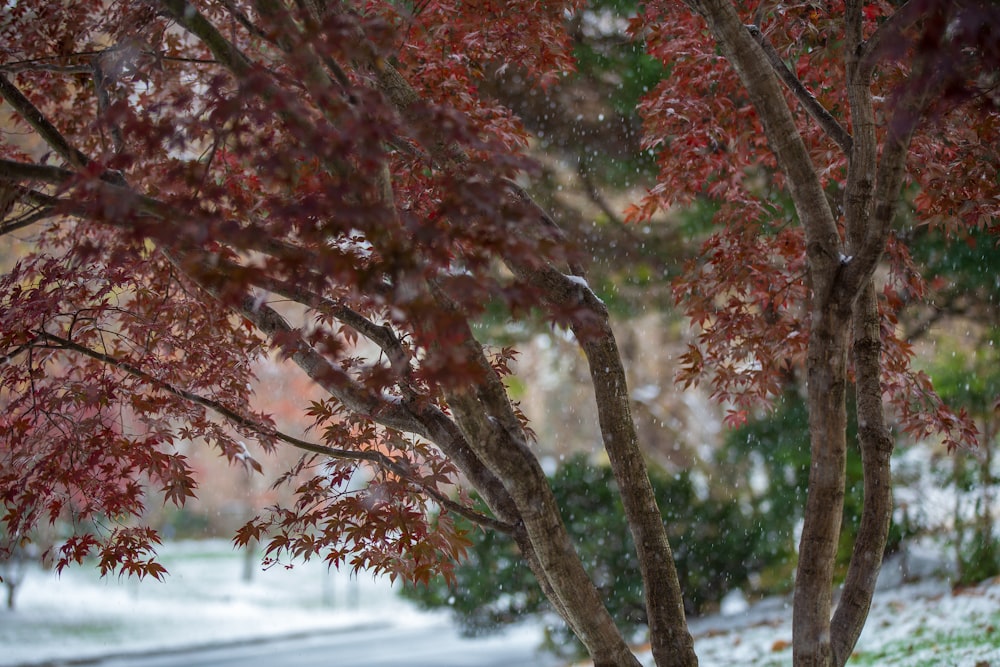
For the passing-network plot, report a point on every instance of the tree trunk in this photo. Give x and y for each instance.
(827, 375)
(491, 428)
(876, 450)
(671, 642)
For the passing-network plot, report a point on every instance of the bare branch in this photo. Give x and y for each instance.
(819, 113)
(338, 383)
(12, 195)
(382, 336)
(23, 221)
(595, 194)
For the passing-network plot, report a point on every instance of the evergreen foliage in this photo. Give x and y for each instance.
(719, 543)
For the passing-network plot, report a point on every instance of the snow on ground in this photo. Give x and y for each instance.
(205, 601)
(923, 624)
(202, 601)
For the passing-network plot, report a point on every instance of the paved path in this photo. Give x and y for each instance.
(429, 646)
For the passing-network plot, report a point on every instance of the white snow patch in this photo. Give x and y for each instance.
(734, 602)
(646, 393)
(203, 601)
(917, 624)
(582, 282)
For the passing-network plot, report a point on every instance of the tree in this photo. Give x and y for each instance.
(762, 108)
(213, 157)
(210, 182)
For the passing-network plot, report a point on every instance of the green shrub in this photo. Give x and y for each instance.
(717, 545)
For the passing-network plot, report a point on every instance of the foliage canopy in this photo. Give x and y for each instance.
(209, 182)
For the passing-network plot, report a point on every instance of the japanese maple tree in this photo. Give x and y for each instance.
(809, 123)
(208, 182)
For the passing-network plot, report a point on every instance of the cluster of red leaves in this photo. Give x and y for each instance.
(749, 275)
(370, 517)
(920, 411)
(118, 336)
(90, 409)
(487, 34)
(128, 551)
(748, 290)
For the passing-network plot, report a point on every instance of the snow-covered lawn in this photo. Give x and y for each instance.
(205, 601)
(917, 625)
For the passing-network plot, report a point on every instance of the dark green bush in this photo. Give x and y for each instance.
(717, 545)
(776, 447)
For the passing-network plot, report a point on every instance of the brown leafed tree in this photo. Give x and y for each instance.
(208, 182)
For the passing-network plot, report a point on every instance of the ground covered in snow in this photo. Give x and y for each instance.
(918, 625)
(205, 601)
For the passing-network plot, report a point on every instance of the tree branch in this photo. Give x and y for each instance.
(876, 451)
(594, 193)
(46, 130)
(44, 207)
(339, 384)
(188, 16)
(830, 125)
(862, 162)
(487, 418)
(244, 20)
(403, 469)
(870, 241)
(748, 59)
(129, 201)
(14, 68)
(20, 222)
(868, 50)
(382, 336)
(671, 641)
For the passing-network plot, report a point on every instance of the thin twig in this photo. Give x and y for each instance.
(14, 68)
(244, 20)
(819, 113)
(20, 222)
